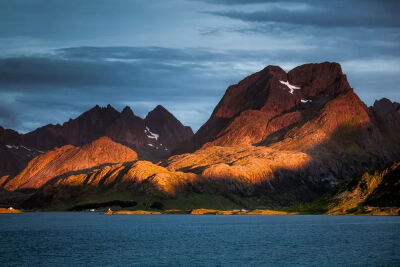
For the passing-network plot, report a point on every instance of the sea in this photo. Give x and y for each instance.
(95, 239)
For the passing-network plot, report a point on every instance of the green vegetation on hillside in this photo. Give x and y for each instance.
(373, 193)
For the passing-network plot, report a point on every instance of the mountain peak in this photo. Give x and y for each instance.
(385, 106)
(100, 112)
(127, 111)
(160, 109)
(95, 108)
(159, 114)
(268, 94)
(171, 130)
(275, 71)
(98, 108)
(319, 79)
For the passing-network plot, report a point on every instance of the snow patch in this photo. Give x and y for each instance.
(291, 87)
(150, 134)
(24, 147)
(18, 147)
(305, 100)
(156, 147)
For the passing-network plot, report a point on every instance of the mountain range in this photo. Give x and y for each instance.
(152, 137)
(274, 140)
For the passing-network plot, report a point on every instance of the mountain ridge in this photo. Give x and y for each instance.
(275, 139)
(123, 127)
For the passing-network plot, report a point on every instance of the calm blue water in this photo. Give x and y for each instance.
(54, 239)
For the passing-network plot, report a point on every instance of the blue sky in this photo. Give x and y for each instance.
(59, 58)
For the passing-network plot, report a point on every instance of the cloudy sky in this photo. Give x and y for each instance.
(59, 58)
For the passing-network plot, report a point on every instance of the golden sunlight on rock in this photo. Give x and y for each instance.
(67, 159)
(254, 164)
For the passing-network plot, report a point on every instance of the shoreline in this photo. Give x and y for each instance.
(10, 211)
(202, 211)
(263, 212)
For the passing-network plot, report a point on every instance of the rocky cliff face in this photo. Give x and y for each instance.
(386, 116)
(271, 100)
(168, 128)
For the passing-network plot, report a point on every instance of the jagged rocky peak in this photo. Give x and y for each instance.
(123, 127)
(271, 100)
(169, 130)
(316, 79)
(272, 89)
(275, 71)
(160, 108)
(127, 113)
(108, 110)
(9, 136)
(159, 114)
(384, 106)
(127, 110)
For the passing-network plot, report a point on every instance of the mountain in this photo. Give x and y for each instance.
(168, 128)
(311, 110)
(386, 116)
(13, 157)
(153, 137)
(66, 159)
(89, 126)
(275, 139)
(8, 164)
(143, 180)
(374, 192)
(124, 127)
(272, 100)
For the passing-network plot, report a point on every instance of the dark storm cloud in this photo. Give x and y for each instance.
(59, 58)
(8, 116)
(148, 53)
(55, 72)
(322, 13)
(138, 68)
(65, 82)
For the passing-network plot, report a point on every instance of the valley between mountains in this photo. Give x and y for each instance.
(300, 141)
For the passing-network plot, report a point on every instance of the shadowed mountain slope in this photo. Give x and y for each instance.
(375, 192)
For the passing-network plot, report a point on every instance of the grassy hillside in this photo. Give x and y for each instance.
(373, 193)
